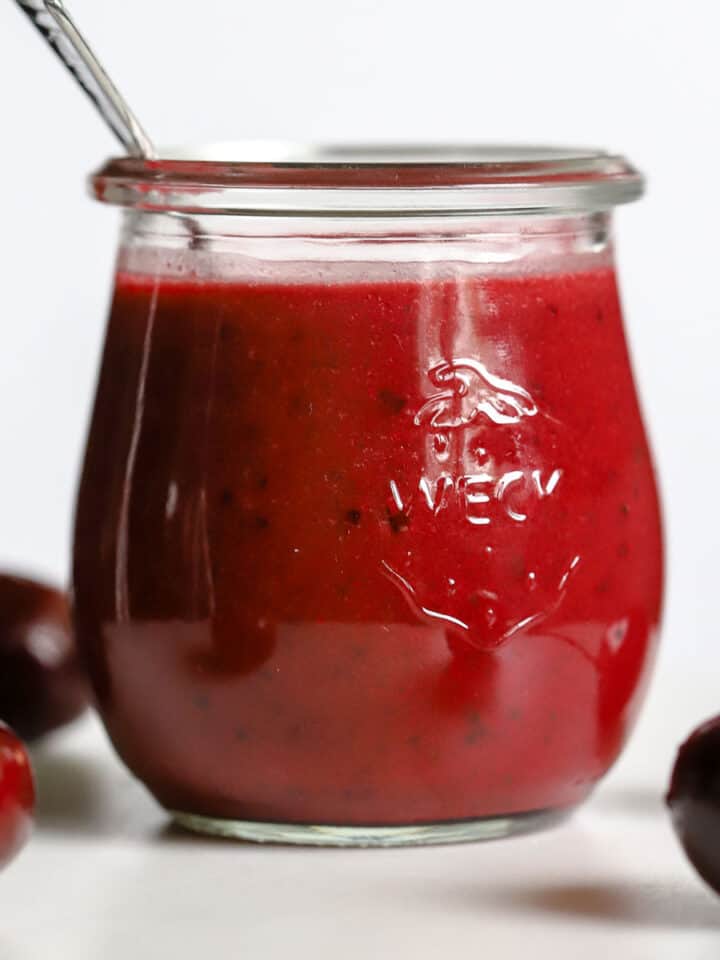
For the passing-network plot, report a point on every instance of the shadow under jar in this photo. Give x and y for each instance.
(368, 546)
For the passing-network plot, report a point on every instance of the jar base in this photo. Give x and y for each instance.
(450, 831)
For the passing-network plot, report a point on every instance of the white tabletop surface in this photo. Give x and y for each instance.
(104, 878)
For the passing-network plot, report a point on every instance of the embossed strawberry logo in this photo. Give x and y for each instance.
(471, 391)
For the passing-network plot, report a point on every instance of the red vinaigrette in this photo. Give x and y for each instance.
(367, 536)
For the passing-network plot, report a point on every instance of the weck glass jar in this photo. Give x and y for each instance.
(367, 544)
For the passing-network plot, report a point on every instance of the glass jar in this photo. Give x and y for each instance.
(368, 546)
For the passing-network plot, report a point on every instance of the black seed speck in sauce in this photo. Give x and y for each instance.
(261, 523)
(300, 406)
(393, 401)
(476, 728)
(353, 516)
(226, 497)
(398, 521)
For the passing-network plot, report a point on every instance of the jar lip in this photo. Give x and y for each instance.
(264, 177)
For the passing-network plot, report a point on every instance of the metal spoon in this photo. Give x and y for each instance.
(57, 27)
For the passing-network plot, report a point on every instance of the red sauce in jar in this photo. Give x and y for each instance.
(368, 552)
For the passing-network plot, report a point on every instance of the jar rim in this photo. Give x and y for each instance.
(290, 179)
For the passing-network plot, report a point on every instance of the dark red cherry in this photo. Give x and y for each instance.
(42, 685)
(694, 800)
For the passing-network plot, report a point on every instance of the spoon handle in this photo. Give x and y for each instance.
(56, 25)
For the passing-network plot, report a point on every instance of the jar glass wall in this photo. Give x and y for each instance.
(367, 541)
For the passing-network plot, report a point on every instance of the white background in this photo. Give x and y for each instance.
(638, 77)
(103, 878)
